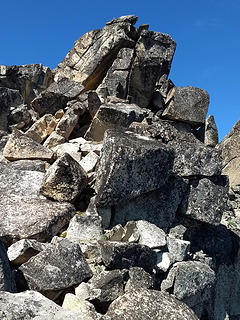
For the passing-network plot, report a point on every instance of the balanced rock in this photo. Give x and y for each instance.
(187, 104)
(211, 132)
(20, 146)
(64, 180)
(58, 267)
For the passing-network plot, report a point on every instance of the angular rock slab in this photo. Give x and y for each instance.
(94, 53)
(113, 116)
(26, 305)
(58, 267)
(7, 281)
(120, 255)
(19, 146)
(149, 304)
(191, 282)
(130, 165)
(34, 218)
(187, 104)
(206, 199)
(64, 180)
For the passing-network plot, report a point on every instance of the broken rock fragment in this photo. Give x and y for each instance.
(64, 180)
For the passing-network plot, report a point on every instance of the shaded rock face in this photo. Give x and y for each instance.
(138, 184)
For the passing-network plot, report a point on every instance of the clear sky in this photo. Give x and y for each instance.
(206, 33)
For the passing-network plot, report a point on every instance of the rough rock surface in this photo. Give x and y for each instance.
(211, 132)
(58, 267)
(7, 281)
(64, 180)
(19, 146)
(187, 104)
(149, 304)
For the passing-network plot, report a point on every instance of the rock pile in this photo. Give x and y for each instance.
(114, 191)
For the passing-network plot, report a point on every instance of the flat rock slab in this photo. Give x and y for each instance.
(35, 218)
(130, 166)
(26, 305)
(149, 305)
(19, 146)
(58, 267)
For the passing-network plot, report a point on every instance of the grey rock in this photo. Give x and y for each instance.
(70, 119)
(230, 150)
(89, 162)
(150, 235)
(206, 199)
(90, 146)
(29, 165)
(115, 83)
(30, 79)
(64, 180)
(94, 53)
(177, 231)
(163, 260)
(149, 304)
(22, 250)
(135, 165)
(19, 182)
(153, 57)
(83, 228)
(26, 305)
(138, 279)
(42, 218)
(9, 98)
(178, 249)
(71, 148)
(56, 96)
(19, 146)
(187, 104)
(19, 115)
(158, 207)
(120, 255)
(7, 281)
(56, 268)
(113, 116)
(211, 132)
(192, 283)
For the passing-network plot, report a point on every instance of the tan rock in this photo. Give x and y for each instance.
(42, 128)
(54, 140)
(20, 146)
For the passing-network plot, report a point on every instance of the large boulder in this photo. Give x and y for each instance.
(19, 146)
(130, 166)
(149, 304)
(26, 305)
(187, 104)
(56, 96)
(230, 148)
(64, 180)
(29, 79)
(58, 267)
(94, 53)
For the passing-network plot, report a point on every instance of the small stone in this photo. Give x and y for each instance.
(178, 249)
(150, 235)
(163, 260)
(211, 132)
(89, 162)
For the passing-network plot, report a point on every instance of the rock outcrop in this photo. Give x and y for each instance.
(114, 192)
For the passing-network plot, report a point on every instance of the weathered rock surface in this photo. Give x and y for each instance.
(29, 79)
(230, 148)
(42, 128)
(206, 199)
(138, 280)
(64, 180)
(211, 132)
(58, 267)
(56, 96)
(187, 104)
(19, 146)
(120, 255)
(191, 282)
(113, 116)
(149, 304)
(26, 305)
(89, 162)
(35, 218)
(134, 166)
(22, 250)
(83, 228)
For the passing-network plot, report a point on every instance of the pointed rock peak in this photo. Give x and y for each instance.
(129, 19)
(19, 146)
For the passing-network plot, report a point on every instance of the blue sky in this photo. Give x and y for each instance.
(206, 33)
